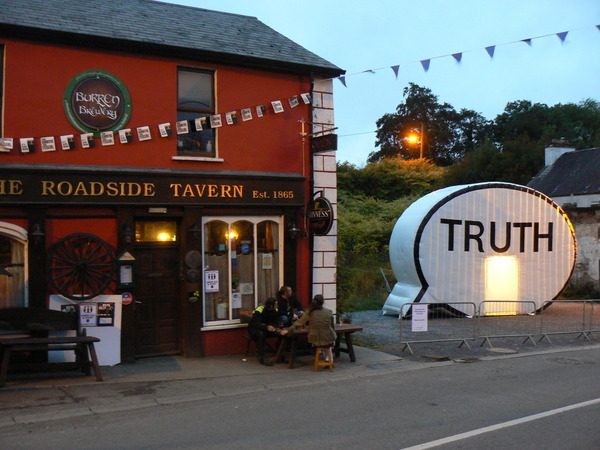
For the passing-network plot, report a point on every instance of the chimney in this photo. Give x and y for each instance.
(556, 149)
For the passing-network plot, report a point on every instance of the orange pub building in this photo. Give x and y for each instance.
(177, 161)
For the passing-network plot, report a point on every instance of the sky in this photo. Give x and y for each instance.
(359, 36)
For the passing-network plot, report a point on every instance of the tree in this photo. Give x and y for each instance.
(520, 134)
(448, 134)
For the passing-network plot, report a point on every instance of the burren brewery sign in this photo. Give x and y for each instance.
(320, 216)
(97, 101)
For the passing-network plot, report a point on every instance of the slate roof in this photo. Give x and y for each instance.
(160, 28)
(574, 173)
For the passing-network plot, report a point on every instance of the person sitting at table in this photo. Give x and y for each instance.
(288, 306)
(263, 324)
(321, 332)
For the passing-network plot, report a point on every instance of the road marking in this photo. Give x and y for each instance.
(499, 426)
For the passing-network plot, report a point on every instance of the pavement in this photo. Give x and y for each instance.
(153, 382)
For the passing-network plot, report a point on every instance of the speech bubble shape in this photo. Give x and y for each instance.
(481, 242)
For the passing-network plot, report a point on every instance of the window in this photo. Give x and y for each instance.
(196, 100)
(1, 85)
(242, 264)
(13, 289)
(155, 231)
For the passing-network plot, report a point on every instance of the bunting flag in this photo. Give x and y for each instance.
(215, 121)
(490, 50)
(107, 138)
(87, 140)
(277, 106)
(144, 133)
(125, 136)
(164, 129)
(293, 101)
(562, 36)
(6, 145)
(199, 123)
(67, 142)
(27, 145)
(231, 118)
(306, 98)
(48, 144)
(246, 114)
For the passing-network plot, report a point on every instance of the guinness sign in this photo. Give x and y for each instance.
(97, 101)
(320, 216)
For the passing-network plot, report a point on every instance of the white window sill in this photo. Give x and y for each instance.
(197, 158)
(228, 326)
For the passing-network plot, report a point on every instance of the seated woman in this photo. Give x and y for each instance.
(320, 324)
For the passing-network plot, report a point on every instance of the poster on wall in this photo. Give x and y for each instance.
(88, 314)
(267, 261)
(236, 300)
(106, 314)
(211, 281)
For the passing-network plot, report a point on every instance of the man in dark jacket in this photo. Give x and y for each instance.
(288, 306)
(263, 324)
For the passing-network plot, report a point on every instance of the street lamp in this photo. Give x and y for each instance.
(414, 138)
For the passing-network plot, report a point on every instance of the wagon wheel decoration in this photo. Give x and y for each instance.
(81, 266)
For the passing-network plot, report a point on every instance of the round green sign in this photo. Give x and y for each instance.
(97, 101)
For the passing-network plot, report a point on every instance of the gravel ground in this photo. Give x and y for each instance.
(383, 333)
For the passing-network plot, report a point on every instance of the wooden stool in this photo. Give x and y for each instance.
(318, 363)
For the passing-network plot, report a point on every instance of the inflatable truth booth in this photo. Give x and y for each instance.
(481, 242)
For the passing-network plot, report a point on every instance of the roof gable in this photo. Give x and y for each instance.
(574, 173)
(151, 26)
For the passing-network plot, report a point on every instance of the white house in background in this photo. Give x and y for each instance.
(572, 179)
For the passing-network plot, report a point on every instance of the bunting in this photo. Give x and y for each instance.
(143, 133)
(490, 50)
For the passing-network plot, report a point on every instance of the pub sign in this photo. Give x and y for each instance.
(320, 215)
(97, 101)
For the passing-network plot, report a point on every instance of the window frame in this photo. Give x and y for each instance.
(190, 155)
(2, 77)
(19, 234)
(229, 220)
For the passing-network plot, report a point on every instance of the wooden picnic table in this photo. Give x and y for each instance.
(288, 346)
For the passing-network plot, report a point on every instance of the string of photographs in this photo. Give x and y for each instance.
(490, 50)
(144, 133)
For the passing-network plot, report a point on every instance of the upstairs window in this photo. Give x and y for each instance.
(196, 100)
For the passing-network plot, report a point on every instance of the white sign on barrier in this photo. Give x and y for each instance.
(419, 318)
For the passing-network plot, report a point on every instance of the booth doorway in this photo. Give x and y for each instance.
(157, 314)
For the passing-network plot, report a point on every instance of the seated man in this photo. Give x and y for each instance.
(288, 306)
(262, 325)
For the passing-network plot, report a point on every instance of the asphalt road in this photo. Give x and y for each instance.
(548, 401)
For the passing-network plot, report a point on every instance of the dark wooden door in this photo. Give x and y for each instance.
(156, 302)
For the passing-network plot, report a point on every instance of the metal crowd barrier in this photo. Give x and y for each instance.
(465, 322)
(492, 323)
(446, 324)
(560, 317)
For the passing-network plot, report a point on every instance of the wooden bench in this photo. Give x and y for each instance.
(26, 330)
